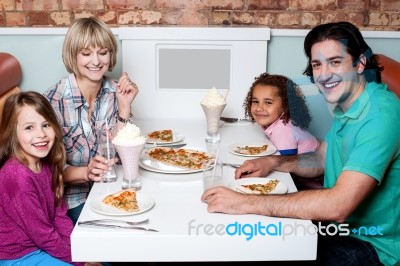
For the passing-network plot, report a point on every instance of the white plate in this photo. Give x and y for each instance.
(156, 166)
(270, 150)
(176, 137)
(144, 202)
(281, 188)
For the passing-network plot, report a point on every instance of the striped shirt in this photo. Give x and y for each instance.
(79, 136)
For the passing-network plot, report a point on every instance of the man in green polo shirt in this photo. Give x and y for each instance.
(360, 157)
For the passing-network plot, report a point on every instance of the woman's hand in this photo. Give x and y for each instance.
(126, 93)
(97, 167)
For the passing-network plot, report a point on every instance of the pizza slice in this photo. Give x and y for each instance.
(258, 188)
(251, 150)
(164, 135)
(187, 159)
(124, 200)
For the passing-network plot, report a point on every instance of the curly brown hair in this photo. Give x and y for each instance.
(293, 101)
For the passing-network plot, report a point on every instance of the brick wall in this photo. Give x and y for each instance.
(289, 14)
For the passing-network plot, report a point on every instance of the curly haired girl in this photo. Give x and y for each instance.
(276, 103)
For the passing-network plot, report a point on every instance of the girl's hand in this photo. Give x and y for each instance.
(126, 93)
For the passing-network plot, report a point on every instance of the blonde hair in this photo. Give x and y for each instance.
(85, 33)
(10, 147)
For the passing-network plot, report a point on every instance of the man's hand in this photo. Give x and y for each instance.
(259, 167)
(225, 200)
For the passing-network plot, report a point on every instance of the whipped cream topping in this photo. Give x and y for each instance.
(129, 135)
(213, 98)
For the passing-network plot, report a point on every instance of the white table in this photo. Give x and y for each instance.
(187, 232)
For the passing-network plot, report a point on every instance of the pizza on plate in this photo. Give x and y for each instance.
(187, 159)
(251, 150)
(124, 200)
(259, 188)
(164, 135)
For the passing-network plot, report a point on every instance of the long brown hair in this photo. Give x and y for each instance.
(10, 147)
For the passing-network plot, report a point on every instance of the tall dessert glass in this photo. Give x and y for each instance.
(213, 104)
(129, 156)
(213, 115)
(129, 144)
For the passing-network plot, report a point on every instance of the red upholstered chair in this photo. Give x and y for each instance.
(10, 77)
(390, 73)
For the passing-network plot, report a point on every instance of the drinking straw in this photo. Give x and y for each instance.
(227, 93)
(108, 144)
(215, 164)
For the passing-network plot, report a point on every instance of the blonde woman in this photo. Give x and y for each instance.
(85, 97)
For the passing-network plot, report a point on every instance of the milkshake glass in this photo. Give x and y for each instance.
(213, 104)
(130, 156)
(129, 144)
(213, 114)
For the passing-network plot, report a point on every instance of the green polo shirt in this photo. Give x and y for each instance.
(366, 139)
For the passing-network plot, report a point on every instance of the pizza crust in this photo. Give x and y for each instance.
(123, 200)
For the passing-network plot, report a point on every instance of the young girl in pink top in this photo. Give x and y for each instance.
(277, 104)
(35, 228)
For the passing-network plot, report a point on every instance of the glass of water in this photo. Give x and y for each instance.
(106, 149)
(213, 175)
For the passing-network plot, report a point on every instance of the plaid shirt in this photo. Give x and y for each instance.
(78, 130)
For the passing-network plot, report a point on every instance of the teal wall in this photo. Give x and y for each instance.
(42, 66)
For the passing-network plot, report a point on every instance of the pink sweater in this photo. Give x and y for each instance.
(29, 218)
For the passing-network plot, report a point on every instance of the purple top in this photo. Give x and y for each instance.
(29, 218)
